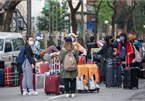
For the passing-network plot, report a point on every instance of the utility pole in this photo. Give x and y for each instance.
(28, 17)
(56, 17)
(82, 20)
(49, 20)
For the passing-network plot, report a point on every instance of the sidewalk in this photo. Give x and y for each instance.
(105, 94)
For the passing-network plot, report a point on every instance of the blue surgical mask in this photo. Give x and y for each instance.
(122, 39)
(73, 39)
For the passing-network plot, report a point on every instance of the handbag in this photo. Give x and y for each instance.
(96, 57)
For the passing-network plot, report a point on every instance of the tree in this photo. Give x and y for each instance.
(57, 14)
(114, 8)
(136, 20)
(9, 14)
(73, 14)
(127, 13)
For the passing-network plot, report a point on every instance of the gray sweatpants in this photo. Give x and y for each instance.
(27, 81)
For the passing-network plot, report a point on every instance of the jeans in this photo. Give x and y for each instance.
(72, 87)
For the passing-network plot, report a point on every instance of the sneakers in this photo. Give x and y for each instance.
(67, 95)
(25, 93)
(33, 93)
(72, 95)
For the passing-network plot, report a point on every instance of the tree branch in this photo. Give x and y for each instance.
(110, 5)
(70, 4)
(123, 7)
(133, 7)
(78, 5)
(99, 5)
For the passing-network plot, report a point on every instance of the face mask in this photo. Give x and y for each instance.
(73, 39)
(31, 43)
(122, 39)
(118, 40)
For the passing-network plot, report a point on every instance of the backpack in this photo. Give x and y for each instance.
(122, 53)
(21, 57)
(70, 63)
(137, 55)
(42, 53)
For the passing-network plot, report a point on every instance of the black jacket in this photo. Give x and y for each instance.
(29, 54)
(89, 46)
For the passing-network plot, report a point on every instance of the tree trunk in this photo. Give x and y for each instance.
(125, 26)
(113, 24)
(134, 24)
(74, 23)
(9, 15)
(96, 27)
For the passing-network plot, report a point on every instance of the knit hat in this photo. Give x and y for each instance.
(131, 37)
(38, 38)
(68, 39)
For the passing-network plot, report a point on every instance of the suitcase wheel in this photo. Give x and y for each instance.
(3, 85)
(47, 93)
(22, 93)
(130, 87)
(137, 87)
(124, 87)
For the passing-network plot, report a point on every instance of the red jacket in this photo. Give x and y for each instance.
(129, 50)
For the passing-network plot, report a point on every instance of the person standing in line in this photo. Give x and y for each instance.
(69, 76)
(27, 67)
(78, 46)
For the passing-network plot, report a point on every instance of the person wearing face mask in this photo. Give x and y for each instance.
(77, 46)
(115, 44)
(105, 52)
(125, 50)
(37, 47)
(27, 81)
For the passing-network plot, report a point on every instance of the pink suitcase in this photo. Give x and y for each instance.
(42, 67)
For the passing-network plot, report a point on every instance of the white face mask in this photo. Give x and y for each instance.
(31, 43)
(73, 39)
(118, 40)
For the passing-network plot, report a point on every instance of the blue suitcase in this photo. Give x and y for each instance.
(2, 78)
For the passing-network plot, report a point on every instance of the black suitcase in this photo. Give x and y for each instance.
(130, 78)
(2, 78)
(113, 74)
(2, 64)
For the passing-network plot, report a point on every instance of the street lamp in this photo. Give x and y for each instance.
(66, 19)
(143, 26)
(106, 22)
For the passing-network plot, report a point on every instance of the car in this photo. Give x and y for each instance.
(10, 45)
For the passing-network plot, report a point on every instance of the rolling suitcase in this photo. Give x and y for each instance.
(113, 73)
(42, 67)
(39, 81)
(34, 82)
(52, 84)
(2, 78)
(94, 77)
(2, 64)
(82, 78)
(8, 76)
(57, 81)
(130, 78)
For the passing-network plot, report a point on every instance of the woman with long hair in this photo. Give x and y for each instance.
(68, 76)
(27, 67)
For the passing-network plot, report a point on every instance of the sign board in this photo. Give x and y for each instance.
(46, 4)
(90, 25)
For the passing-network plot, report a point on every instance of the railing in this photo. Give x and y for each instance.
(22, 11)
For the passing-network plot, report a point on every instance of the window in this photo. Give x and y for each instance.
(8, 45)
(1, 44)
(18, 44)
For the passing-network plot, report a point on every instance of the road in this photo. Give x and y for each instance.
(105, 94)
